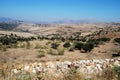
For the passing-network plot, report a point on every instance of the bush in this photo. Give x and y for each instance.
(52, 52)
(37, 46)
(117, 71)
(28, 45)
(117, 40)
(88, 47)
(94, 41)
(54, 45)
(62, 39)
(78, 45)
(41, 53)
(67, 44)
(104, 39)
(61, 51)
(22, 46)
(56, 52)
(48, 42)
(83, 39)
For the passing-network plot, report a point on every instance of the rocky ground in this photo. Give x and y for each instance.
(84, 69)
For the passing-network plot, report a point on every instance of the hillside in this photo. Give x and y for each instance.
(49, 44)
(40, 38)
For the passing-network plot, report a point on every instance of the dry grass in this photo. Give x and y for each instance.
(36, 50)
(17, 33)
(29, 51)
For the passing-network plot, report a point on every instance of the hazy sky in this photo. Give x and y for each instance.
(51, 10)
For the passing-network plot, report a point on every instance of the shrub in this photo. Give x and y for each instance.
(37, 46)
(104, 39)
(54, 45)
(117, 40)
(28, 45)
(83, 39)
(61, 51)
(78, 45)
(88, 47)
(52, 52)
(22, 46)
(6, 40)
(94, 41)
(117, 71)
(67, 44)
(41, 53)
(62, 39)
(48, 42)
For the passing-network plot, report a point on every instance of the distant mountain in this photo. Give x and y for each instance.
(69, 21)
(5, 19)
(8, 23)
(9, 20)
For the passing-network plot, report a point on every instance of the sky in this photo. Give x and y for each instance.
(53, 10)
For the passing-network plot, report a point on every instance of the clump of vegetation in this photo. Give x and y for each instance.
(22, 45)
(78, 45)
(63, 39)
(61, 51)
(11, 41)
(56, 52)
(103, 39)
(67, 44)
(54, 45)
(117, 71)
(87, 47)
(48, 42)
(94, 41)
(6, 40)
(52, 52)
(37, 46)
(117, 40)
(27, 45)
(41, 53)
(83, 39)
